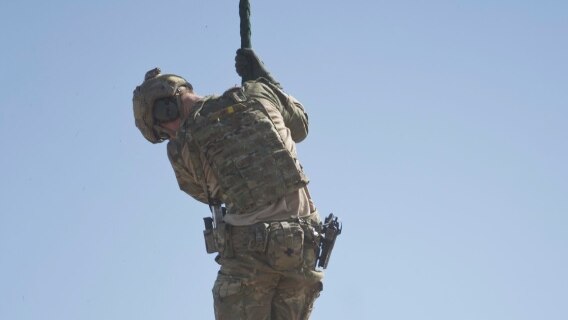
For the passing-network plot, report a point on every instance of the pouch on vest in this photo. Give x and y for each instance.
(244, 150)
(285, 245)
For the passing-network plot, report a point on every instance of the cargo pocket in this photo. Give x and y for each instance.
(226, 287)
(285, 245)
(228, 299)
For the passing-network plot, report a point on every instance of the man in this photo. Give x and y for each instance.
(238, 149)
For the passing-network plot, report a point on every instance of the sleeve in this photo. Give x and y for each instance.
(187, 182)
(293, 112)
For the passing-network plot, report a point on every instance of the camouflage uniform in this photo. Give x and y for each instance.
(268, 262)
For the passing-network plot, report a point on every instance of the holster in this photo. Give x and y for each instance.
(216, 239)
(210, 245)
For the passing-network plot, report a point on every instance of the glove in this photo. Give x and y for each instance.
(250, 67)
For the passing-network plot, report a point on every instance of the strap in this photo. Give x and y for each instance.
(288, 236)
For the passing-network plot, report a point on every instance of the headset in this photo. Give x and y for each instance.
(166, 109)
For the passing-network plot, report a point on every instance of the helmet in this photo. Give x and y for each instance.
(155, 86)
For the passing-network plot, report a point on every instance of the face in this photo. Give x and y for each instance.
(172, 125)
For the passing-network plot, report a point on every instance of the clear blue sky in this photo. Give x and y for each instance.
(438, 134)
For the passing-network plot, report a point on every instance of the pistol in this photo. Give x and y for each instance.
(330, 230)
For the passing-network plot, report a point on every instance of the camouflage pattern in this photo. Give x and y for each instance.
(270, 273)
(186, 179)
(243, 148)
(269, 256)
(154, 87)
(287, 115)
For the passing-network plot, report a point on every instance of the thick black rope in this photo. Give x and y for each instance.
(244, 13)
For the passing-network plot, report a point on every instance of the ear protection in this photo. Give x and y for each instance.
(166, 109)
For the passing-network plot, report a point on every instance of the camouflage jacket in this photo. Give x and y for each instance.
(291, 122)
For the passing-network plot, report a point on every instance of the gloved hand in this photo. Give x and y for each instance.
(249, 66)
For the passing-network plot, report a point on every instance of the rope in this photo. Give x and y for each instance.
(244, 13)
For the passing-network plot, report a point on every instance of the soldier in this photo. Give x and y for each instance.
(238, 149)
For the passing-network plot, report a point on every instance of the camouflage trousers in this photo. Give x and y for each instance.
(267, 273)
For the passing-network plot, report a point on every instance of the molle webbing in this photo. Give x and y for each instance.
(253, 166)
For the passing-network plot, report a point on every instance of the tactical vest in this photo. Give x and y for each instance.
(247, 155)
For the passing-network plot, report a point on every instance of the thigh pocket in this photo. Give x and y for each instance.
(285, 245)
(225, 288)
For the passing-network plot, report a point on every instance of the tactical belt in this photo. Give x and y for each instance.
(255, 237)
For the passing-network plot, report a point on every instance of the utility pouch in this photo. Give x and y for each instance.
(220, 235)
(259, 241)
(285, 245)
(210, 245)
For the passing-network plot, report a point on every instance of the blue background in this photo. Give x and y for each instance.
(438, 134)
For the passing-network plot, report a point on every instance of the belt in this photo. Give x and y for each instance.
(255, 237)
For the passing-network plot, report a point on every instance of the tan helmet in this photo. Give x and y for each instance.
(154, 87)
